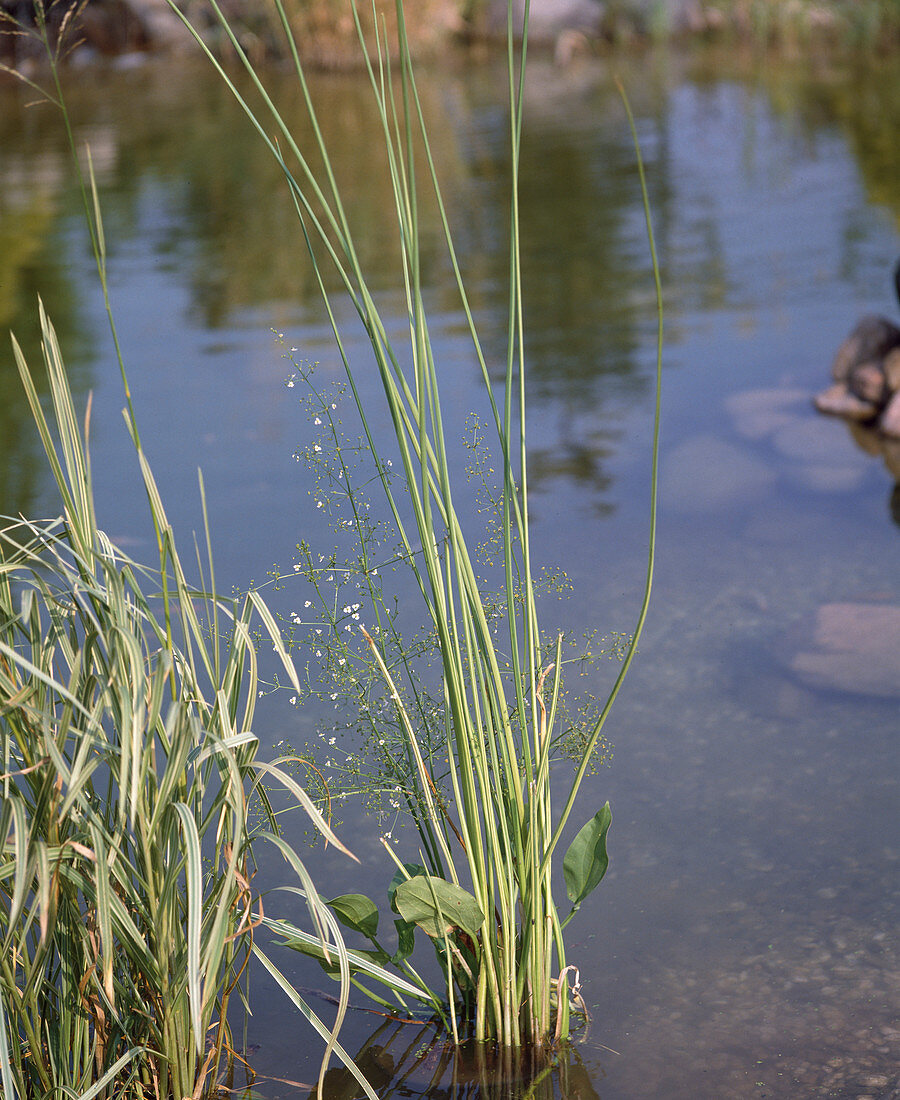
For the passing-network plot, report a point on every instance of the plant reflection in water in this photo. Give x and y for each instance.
(403, 1058)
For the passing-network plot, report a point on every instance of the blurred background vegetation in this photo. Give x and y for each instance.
(326, 37)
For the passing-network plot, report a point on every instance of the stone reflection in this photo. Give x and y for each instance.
(405, 1059)
(871, 441)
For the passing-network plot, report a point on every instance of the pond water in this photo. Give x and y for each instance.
(744, 942)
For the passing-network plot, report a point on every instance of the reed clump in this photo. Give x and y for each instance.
(481, 888)
(134, 797)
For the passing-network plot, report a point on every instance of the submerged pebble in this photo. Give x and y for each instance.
(852, 647)
(706, 473)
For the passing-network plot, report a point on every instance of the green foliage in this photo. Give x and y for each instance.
(472, 755)
(438, 907)
(586, 860)
(127, 705)
(133, 795)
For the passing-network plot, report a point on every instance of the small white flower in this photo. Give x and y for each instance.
(290, 384)
(318, 420)
(316, 447)
(319, 504)
(308, 603)
(293, 700)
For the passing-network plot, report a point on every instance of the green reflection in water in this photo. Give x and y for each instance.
(34, 192)
(172, 143)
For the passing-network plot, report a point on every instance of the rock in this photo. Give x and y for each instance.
(837, 400)
(871, 340)
(891, 364)
(890, 418)
(855, 647)
(867, 382)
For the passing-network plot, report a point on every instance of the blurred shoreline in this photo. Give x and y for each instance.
(126, 32)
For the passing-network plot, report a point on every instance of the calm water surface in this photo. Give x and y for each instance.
(745, 940)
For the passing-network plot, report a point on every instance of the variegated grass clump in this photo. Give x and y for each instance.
(132, 799)
(480, 886)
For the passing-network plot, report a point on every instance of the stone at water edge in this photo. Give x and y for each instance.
(890, 418)
(837, 400)
(855, 647)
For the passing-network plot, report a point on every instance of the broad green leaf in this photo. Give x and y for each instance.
(410, 870)
(437, 906)
(406, 941)
(358, 912)
(586, 860)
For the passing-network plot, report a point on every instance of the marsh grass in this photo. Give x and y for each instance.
(134, 794)
(481, 888)
(129, 770)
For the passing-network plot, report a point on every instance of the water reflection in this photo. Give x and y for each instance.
(216, 214)
(872, 442)
(33, 191)
(412, 1060)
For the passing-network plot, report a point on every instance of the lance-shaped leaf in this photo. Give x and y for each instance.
(437, 906)
(586, 860)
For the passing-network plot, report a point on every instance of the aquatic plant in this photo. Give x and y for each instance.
(133, 796)
(483, 892)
